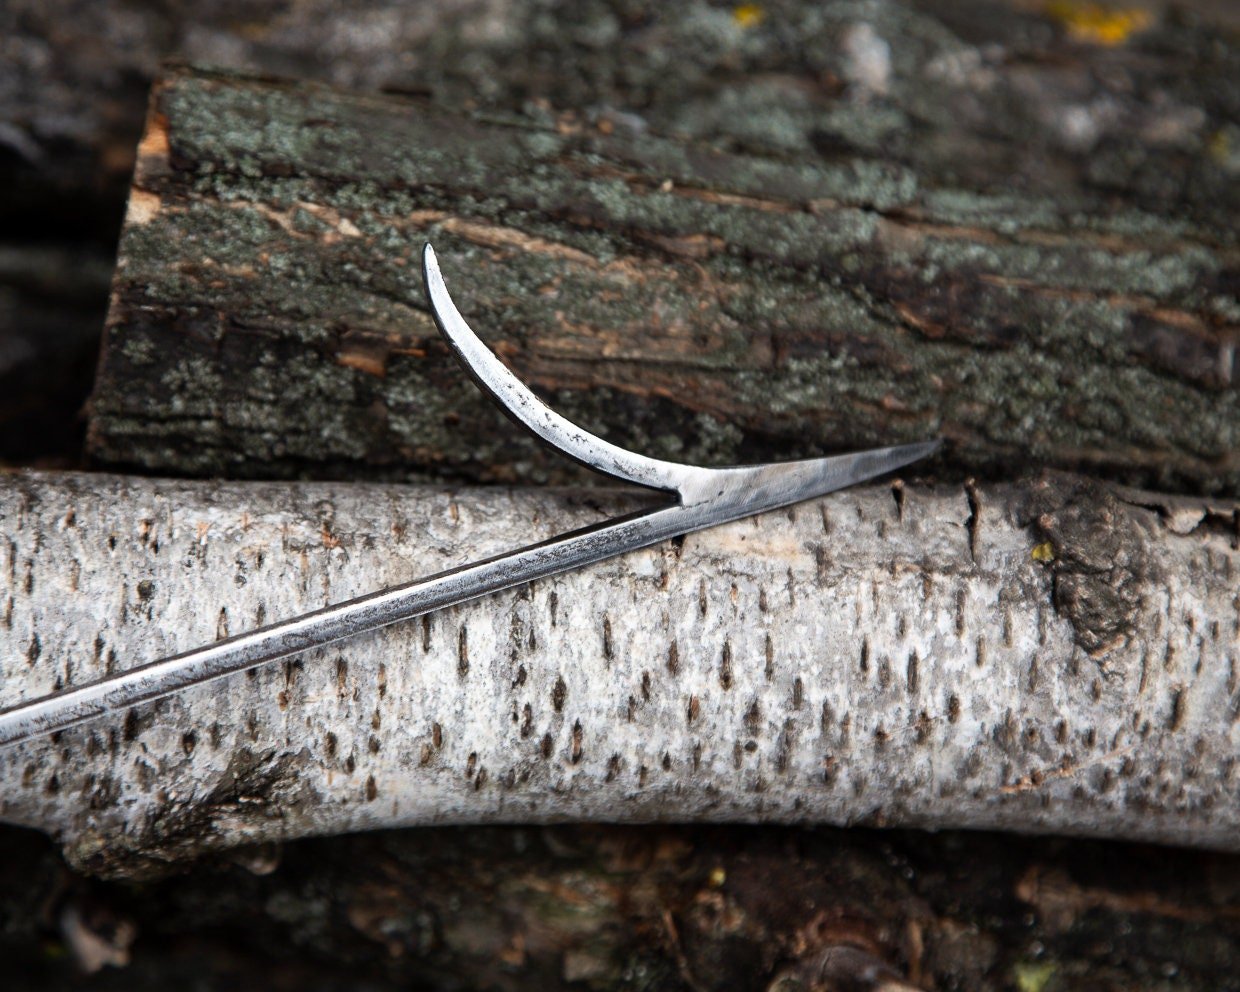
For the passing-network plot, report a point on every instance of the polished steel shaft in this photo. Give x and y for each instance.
(701, 497)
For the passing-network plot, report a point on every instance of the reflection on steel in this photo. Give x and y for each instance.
(698, 498)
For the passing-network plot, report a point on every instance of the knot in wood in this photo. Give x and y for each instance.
(1100, 559)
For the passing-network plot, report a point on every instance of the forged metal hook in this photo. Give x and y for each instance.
(700, 497)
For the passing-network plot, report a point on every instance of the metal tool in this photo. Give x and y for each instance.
(701, 497)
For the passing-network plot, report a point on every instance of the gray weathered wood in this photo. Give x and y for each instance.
(76, 72)
(714, 305)
(893, 655)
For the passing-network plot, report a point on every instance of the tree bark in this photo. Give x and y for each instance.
(76, 74)
(717, 306)
(1050, 657)
(985, 98)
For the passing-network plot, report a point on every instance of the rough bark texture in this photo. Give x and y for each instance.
(1139, 110)
(1044, 657)
(1053, 102)
(76, 73)
(688, 300)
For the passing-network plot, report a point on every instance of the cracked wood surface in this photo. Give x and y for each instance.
(711, 304)
(1042, 657)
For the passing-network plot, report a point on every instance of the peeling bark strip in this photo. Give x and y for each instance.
(715, 306)
(922, 669)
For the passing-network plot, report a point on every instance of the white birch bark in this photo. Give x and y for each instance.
(889, 655)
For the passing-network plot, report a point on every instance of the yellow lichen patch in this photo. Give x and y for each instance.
(1043, 552)
(1033, 976)
(748, 15)
(1224, 147)
(253, 30)
(1099, 24)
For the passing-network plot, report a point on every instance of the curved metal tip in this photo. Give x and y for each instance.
(528, 410)
(748, 488)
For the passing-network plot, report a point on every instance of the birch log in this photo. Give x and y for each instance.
(1046, 657)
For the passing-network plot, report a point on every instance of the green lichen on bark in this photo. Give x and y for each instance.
(822, 282)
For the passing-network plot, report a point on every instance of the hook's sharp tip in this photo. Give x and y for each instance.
(436, 291)
(863, 465)
(905, 454)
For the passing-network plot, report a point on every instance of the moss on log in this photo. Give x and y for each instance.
(688, 300)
